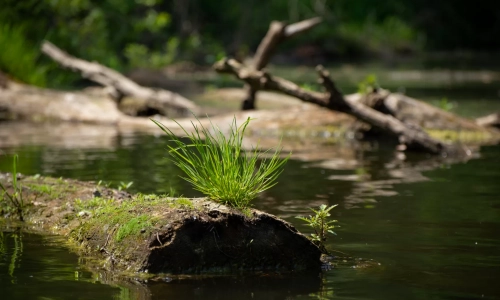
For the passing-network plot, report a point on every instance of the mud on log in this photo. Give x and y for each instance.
(411, 136)
(277, 33)
(118, 84)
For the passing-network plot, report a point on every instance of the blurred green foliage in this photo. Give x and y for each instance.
(125, 34)
(368, 85)
(19, 57)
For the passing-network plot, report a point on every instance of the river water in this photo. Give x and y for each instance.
(422, 228)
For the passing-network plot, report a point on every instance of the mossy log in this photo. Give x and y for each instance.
(152, 234)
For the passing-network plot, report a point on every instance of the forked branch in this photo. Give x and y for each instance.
(277, 33)
(413, 137)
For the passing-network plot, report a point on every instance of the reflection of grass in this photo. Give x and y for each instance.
(18, 251)
(3, 248)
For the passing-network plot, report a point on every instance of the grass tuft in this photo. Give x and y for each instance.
(14, 201)
(218, 167)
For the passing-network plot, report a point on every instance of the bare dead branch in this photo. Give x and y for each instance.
(278, 32)
(159, 99)
(335, 95)
(268, 44)
(411, 136)
(492, 120)
(301, 26)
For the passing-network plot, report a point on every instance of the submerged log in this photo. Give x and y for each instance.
(302, 126)
(411, 136)
(152, 234)
(119, 85)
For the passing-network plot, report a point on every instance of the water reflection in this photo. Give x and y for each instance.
(38, 267)
(42, 263)
(431, 223)
(271, 286)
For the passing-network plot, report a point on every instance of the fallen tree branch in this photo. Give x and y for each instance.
(411, 136)
(277, 33)
(492, 120)
(162, 100)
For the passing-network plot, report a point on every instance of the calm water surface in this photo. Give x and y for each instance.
(415, 229)
(427, 235)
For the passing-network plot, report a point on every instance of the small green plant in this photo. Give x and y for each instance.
(445, 105)
(124, 186)
(309, 87)
(15, 200)
(368, 85)
(104, 183)
(321, 225)
(217, 166)
(3, 247)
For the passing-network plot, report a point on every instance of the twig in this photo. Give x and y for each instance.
(158, 239)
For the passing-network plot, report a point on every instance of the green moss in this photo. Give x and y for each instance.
(247, 212)
(183, 202)
(41, 188)
(93, 204)
(123, 219)
(52, 187)
(460, 135)
(133, 227)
